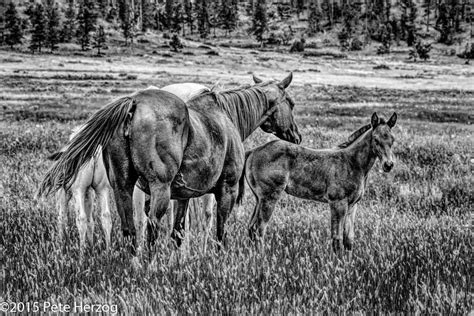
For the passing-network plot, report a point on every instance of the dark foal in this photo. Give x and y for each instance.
(336, 176)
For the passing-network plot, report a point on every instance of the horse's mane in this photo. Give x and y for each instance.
(241, 105)
(354, 136)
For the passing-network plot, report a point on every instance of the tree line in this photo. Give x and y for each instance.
(359, 22)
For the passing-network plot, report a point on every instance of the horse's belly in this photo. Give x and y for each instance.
(195, 179)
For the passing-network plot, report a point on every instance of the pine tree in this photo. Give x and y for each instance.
(14, 33)
(69, 26)
(314, 18)
(259, 22)
(126, 20)
(99, 39)
(228, 15)
(169, 4)
(86, 19)
(52, 25)
(147, 9)
(177, 18)
(38, 24)
(189, 15)
(202, 18)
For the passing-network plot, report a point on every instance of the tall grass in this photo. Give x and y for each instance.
(413, 246)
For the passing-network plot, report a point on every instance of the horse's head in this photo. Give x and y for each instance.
(382, 140)
(280, 121)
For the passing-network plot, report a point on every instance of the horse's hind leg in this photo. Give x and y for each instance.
(105, 217)
(81, 217)
(160, 199)
(180, 222)
(208, 209)
(123, 178)
(261, 217)
(89, 208)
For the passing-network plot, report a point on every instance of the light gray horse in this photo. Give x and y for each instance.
(336, 176)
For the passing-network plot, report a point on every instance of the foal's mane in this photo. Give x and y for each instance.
(354, 136)
(243, 105)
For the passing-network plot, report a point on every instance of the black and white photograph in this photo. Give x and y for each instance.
(236, 157)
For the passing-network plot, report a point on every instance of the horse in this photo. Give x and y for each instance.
(92, 177)
(180, 150)
(336, 176)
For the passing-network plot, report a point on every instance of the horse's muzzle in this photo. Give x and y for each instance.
(293, 137)
(387, 166)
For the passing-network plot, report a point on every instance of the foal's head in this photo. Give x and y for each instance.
(280, 122)
(382, 140)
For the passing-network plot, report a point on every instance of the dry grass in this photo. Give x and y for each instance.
(413, 237)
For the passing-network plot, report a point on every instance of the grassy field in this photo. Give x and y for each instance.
(413, 248)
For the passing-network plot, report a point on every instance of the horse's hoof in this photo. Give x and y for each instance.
(136, 265)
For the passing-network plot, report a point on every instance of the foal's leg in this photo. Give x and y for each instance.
(348, 236)
(180, 222)
(262, 216)
(338, 211)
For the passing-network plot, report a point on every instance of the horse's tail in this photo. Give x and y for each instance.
(240, 195)
(55, 156)
(97, 131)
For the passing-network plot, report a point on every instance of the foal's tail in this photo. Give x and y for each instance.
(240, 195)
(97, 131)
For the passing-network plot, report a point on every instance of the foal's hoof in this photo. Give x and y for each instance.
(136, 265)
(177, 237)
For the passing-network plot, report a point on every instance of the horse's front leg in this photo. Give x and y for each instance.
(225, 199)
(180, 222)
(338, 211)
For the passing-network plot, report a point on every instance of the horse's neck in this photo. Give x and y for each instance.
(362, 152)
(246, 115)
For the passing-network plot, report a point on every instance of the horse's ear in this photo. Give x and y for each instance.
(256, 79)
(286, 82)
(393, 119)
(374, 121)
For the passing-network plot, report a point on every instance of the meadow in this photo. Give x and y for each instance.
(413, 244)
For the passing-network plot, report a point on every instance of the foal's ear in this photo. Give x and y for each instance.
(286, 82)
(256, 79)
(393, 119)
(374, 121)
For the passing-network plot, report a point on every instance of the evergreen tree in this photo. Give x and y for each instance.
(38, 24)
(86, 19)
(126, 20)
(14, 33)
(52, 25)
(259, 22)
(69, 26)
(147, 9)
(168, 13)
(228, 15)
(99, 39)
(314, 19)
(202, 18)
(189, 15)
(177, 18)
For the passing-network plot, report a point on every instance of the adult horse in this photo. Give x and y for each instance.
(181, 150)
(92, 177)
